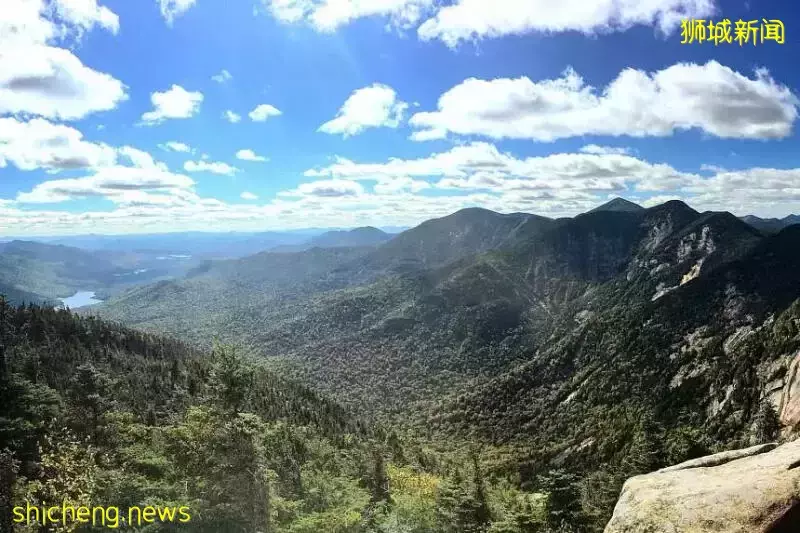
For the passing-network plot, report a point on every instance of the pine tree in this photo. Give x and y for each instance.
(8, 474)
(767, 424)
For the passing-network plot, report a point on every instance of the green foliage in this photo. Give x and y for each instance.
(95, 413)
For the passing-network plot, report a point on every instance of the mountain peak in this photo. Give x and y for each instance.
(618, 204)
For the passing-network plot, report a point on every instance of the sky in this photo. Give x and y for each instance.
(120, 116)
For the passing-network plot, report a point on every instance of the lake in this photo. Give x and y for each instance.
(80, 299)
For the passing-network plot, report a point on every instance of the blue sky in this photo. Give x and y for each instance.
(170, 115)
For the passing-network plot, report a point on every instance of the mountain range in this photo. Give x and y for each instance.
(584, 348)
(447, 318)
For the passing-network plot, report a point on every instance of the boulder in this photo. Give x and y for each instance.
(755, 490)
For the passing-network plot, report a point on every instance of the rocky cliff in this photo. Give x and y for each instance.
(755, 490)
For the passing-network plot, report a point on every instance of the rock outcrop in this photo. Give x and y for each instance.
(789, 409)
(755, 490)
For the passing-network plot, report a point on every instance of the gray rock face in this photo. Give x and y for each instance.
(790, 400)
(755, 490)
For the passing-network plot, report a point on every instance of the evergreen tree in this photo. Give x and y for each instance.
(767, 424)
(563, 499)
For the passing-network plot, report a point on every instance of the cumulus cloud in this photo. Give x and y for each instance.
(231, 117)
(468, 20)
(213, 167)
(746, 190)
(222, 77)
(400, 185)
(601, 150)
(110, 182)
(40, 144)
(249, 155)
(333, 188)
(246, 195)
(369, 107)
(262, 112)
(174, 146)
(711, 98)
(172, 9)
(328, 15)
(481, 166)
(476, 19)
(39, 78)
(176, 102)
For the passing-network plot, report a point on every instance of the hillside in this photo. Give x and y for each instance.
(771, 225)
(366, 236)
(560, 344)
(94, 412)
(51, 271)
(347, 327)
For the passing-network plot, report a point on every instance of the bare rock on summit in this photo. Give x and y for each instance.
(755, 490)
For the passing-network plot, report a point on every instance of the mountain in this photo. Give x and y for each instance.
(367, 236)
(48, 271)
(93, 410)
(618, 204)
(225, 289)
(602, 345)
(440, 241)
(200, 245)
(771, 225)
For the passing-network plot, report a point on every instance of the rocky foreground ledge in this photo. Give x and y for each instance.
(754, 490)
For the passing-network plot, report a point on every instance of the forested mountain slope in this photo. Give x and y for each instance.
(96, 414)
(598, 346)
(426, 332)
(51, 271)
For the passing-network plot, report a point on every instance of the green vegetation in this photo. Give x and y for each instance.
(98, 414)
(496, 373)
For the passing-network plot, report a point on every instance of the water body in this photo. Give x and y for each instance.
(80, 299)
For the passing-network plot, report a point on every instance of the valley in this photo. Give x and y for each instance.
(561, 356)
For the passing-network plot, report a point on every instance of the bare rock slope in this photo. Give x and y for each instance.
(755, 490)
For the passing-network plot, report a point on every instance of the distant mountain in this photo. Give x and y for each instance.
(440, 241)
(618, 204)
(51, 271)
(771, 225)
(366, 236)
(200, 245)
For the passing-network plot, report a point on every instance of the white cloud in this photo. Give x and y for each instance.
(176, 102)
(113, 179)
(328, 15)
(601, 150)
(462, 20)
(213, 167)
(711, 97)
(475, 19)
(369, 107)
(262, 112)
(246, 195)
(38, 78)
(481, 166)
(175, 146)
(172, 9)
(334, 188)
(249, 155)
(400, 185)
(222, 77)
(341, 202)
(39, 144)
(231, 117)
